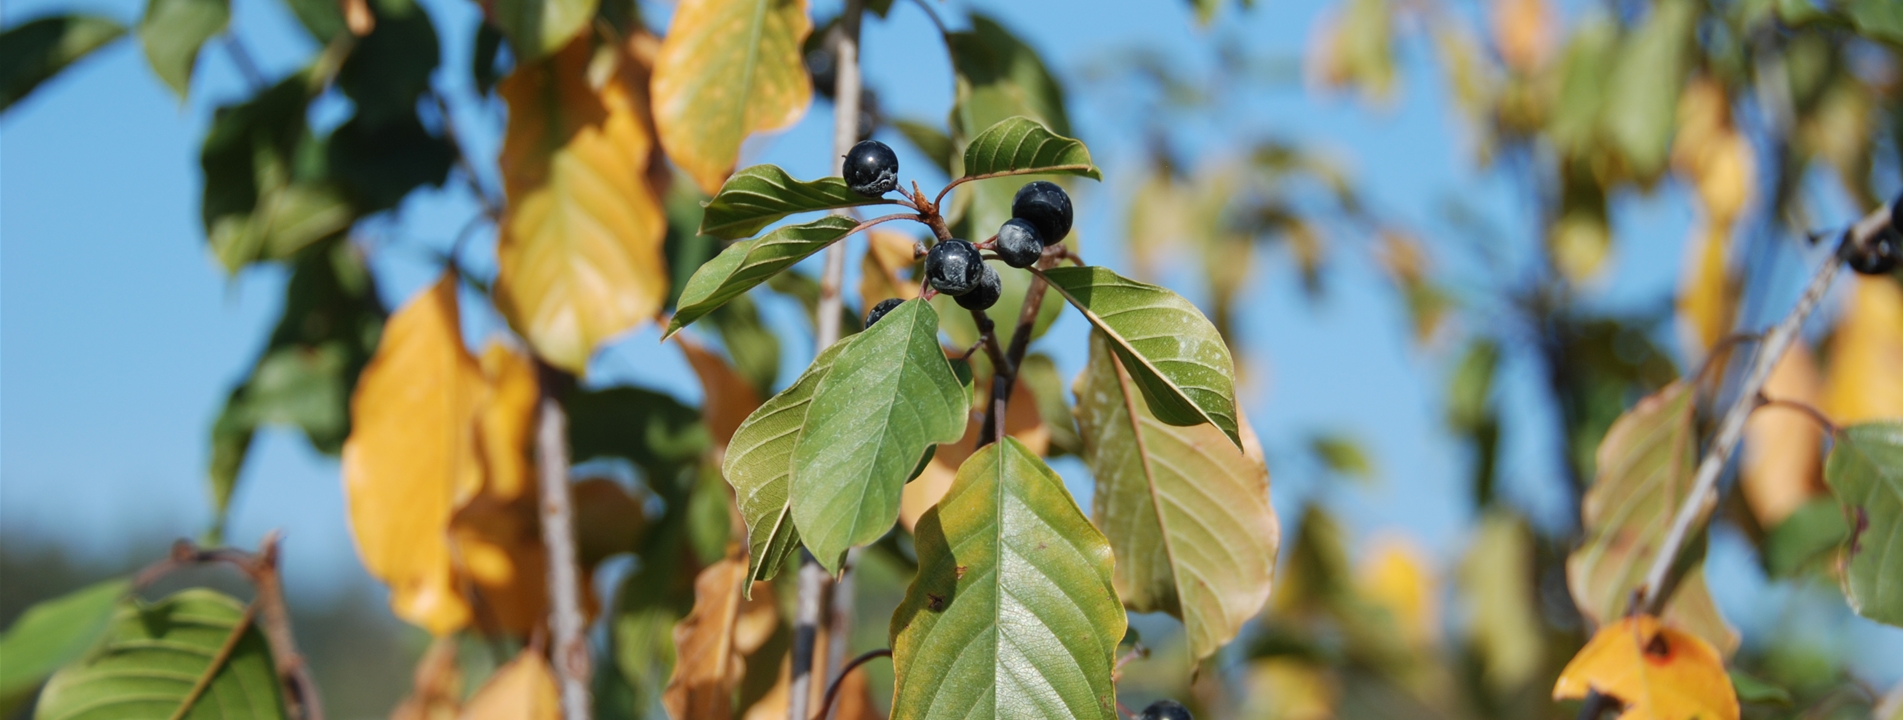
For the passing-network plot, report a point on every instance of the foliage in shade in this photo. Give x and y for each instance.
(1865, 470)
(760, 459)
(1013, 613)
(728, 69)
(579, 258)
(1186, 511)
(747, 263)
(53, 633)
(173, 31)
(263, 200)
(1021, 146)
(36, 50)
(889, 397)
(763, 194)
(1173, 354)
(1657, 672)
(155, 657)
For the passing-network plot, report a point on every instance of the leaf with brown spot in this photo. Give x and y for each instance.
(711, 643)
(523, 689)
(1866, 472)
(728, 69)
(1658, 672)
(579, 257)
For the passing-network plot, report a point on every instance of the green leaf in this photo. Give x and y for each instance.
(650, 430)
(759, 462)
(1022, 146)
(53, 633)
(1499, 579)
(1013, 613)
(930, 141)
(1171, 350)
(1642, 107)
(1804, 538)
(267, 193)
(1645, 466)
(1187, 512)
(33, 52)
(754, 348)
(763, 194)
(174, 30)
(1342, 455)
(537, 28)
(154, 656)
(890, 396)
(750, 262)
(1865, 470)
(1877, 19)
(1752, 690)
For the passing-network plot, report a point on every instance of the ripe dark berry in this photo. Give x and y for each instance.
(871, 169)
(953, 267)
(986, 294)
(1019, 243)
(879, 310)
(1165, 710)
(1047, 207)
(1881, 256)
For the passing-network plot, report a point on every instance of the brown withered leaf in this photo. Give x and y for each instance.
(522, 689)
(711, 643)
(883, 272)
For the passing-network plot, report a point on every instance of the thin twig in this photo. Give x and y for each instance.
(832, 689)
(988, 337)
(1816, 415)
(876, 221)
(1655, 590)
(569, 651)
(933, 14)
(1005, 377)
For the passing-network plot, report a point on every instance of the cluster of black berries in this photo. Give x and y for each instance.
(1165, 710)
(1040, 216)
(1885, 250)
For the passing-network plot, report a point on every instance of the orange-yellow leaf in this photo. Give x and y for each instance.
(1523, 32)
(1396, 577)
(1021, 420)
(497, 527)
(1707, 297)
(523, 689)
(411, 452)
(1864, 382)
(579, 259)
(712, 642)
(882, 275)
(728, 69)
(729, 397)
(439, 685)
(1658, 672)
(1783, 450)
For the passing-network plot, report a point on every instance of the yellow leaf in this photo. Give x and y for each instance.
(1285, 688)
(579, 259)
(1523, 32)
(728, 69)
(729, 397)
(1659, 673)
(1395, 577)
(523, 689)
(496, 528)
(882, 275)
(1021, 420)
(1864, 382)
(439, 685)
(411, 452)
(1783, 451)
(711, 643)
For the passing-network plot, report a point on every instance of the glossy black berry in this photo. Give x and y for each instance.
(1047, 207)
(1019, 243)
(953, 267)
(986, 294)
(1880, 256)
(1165, 710)
(879, 310)
(871, 169)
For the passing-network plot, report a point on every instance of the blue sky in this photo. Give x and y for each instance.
(120, 335)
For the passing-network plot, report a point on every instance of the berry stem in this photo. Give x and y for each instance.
(988, 337)
(1005, 377)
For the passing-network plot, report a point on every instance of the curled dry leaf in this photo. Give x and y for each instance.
(1862, 380)
(523, 689)
(1657, 672)
(712, 642)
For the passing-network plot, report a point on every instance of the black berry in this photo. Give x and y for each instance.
(871, 169)
(1880, 256)
(1047, 207)
(1165, 710)
(1019, 243)
(953, 267)
(986, 294)
(879, 310)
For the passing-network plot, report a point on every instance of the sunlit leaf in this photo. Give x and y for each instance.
(1645, 465)
(1865, 470)
(1498, 581)
(712, 642)
(729, 399)
(52, 633)
(1186, 511)
(522, 689)
(1022, 146)
(579, 258)
(1804, 538)
(1523, 32)
(1644, 83)
(1395, 578)
(1659, 673)
(1013, 613)
(495, 528)
(155, 656)
(728, 69)
(412, 451)
(1021, 420)
(763, 194)
(759, 461)
(38, 49)
(747, 263)
(538, 28)
(1783, 450)
(890, 396)
(172, 32)
(1861, 381)
(1173, 354)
